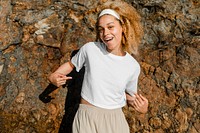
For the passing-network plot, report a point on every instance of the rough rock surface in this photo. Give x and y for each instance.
(37, 36)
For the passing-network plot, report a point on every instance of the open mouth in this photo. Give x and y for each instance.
(108, 39)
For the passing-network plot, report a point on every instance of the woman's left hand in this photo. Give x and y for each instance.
(138, 102)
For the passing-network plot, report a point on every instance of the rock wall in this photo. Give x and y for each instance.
(37, 36)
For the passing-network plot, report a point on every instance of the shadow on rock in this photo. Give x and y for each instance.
(72, 99)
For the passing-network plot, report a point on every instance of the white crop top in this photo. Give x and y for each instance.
(107, 76)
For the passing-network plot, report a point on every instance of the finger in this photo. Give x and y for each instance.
(139, 108)
(135, 107)
(136, 103)
(66, 78)
(139, 102)
(61, 80)
(60, 75)
(132, 104)
(130, 101)
(130, 98)
(61, 83)
(139, 99)
(136, 95)
(143, 98)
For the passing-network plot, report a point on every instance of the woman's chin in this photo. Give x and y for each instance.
(109, 45)
(109, 48)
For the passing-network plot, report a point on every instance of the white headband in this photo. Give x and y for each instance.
(109, 12)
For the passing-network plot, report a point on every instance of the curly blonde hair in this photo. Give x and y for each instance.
(131, 25)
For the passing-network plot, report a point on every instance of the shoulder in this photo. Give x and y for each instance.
(91, 46)
(134, 63)
(133, 60)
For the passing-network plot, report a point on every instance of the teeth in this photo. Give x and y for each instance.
(108, 39)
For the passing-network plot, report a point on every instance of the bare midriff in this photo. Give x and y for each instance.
(83, 101)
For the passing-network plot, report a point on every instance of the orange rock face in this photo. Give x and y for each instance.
(37, 36)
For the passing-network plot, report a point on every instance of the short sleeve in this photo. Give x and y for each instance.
(78, 60)
(132, 85)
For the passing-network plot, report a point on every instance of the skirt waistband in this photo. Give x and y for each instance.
(94, 108)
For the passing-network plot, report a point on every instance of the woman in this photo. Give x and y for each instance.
(111, 73)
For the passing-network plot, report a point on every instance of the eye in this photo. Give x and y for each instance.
(110, 27)
(100, 30)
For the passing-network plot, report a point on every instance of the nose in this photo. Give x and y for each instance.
(105, 32)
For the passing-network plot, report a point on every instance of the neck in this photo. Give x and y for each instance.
(118, 52)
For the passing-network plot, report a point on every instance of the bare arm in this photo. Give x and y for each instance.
(59, 77)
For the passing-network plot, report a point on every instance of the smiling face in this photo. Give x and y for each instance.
(110, 32)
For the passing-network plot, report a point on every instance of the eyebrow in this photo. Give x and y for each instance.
(106, 24)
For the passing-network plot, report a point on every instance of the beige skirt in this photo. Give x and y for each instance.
(91, 119)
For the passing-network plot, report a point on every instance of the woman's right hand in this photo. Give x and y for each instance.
(58, 79)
